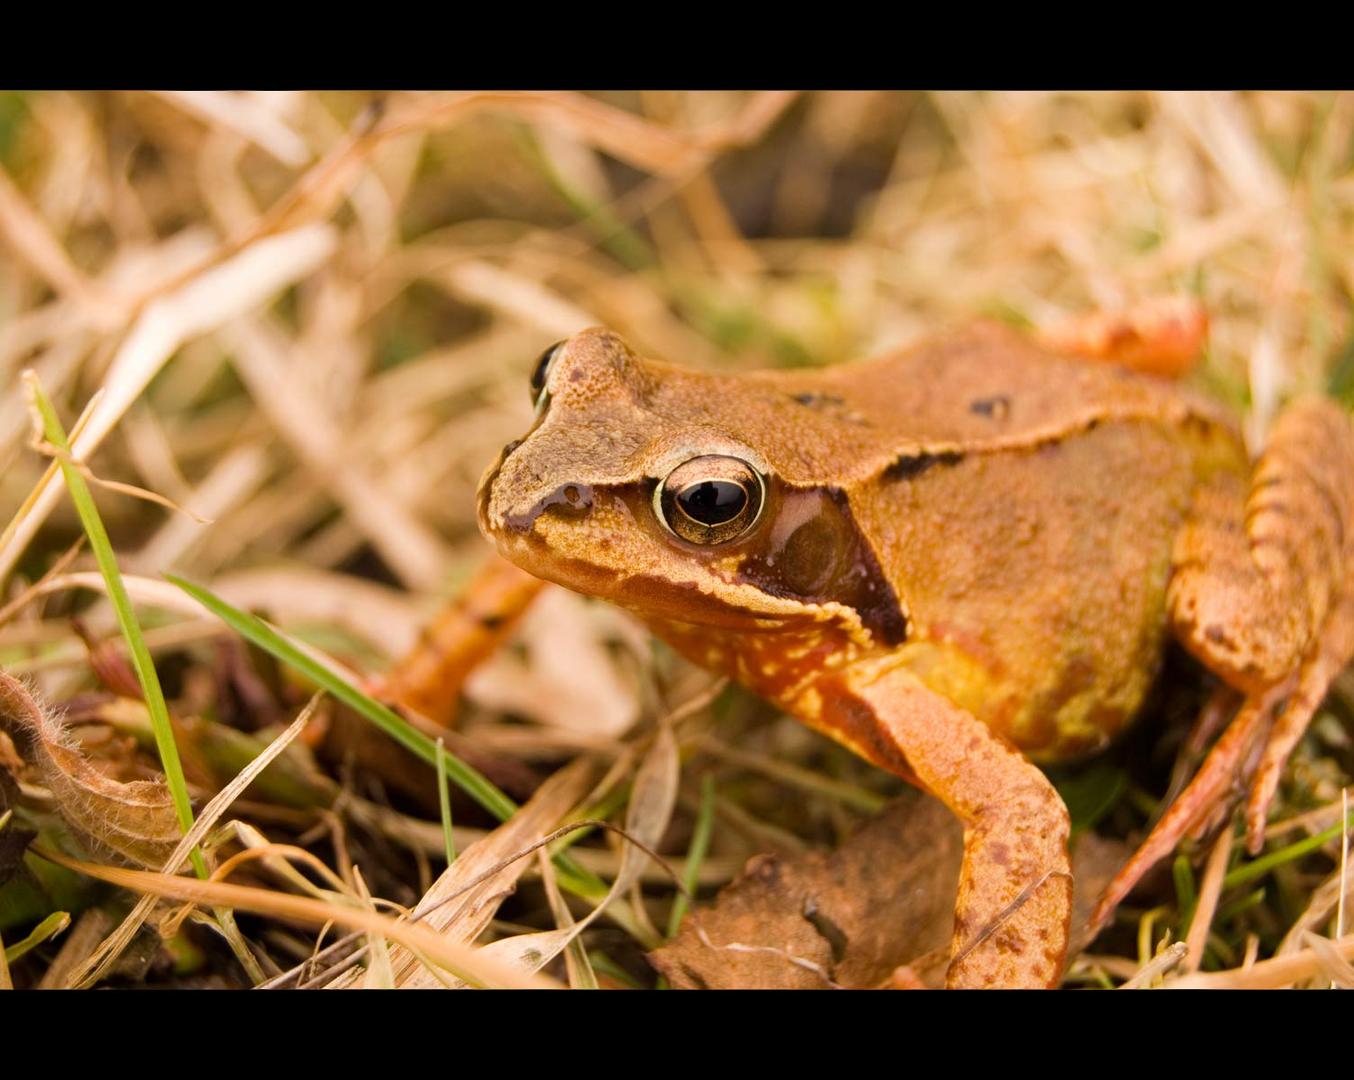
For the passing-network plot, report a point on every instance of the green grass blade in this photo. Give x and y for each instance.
(117, 593)
(1260, 867)
(251, 627)
(572, 876)
(700, 844)
(444, 803)
(49, 927)
(1186, 895)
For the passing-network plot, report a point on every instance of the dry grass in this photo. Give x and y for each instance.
(309, 319)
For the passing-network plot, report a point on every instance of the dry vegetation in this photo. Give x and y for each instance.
(306, 322)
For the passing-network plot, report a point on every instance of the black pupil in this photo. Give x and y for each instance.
(542, 368)
(712, 502)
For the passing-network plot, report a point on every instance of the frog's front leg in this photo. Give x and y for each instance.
(1015, 888)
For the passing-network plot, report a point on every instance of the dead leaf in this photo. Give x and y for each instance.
(818, 919)
(852, 917)
(135, 821)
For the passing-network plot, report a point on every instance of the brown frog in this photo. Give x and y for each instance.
(958, 560)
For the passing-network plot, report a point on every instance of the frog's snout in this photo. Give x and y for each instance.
(508, 504)
(571, 501)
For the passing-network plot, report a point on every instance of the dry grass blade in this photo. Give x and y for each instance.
(411, 549)
(30, 238)
(652, 799)
(246, 116)
(627, 137)
(98, 965)
(1273, 974)
(1345, 880)
(466, 918)
(1167, 960)
(466, 963)
(379, 974)
(52, 469)
(1334, 966)
(200, 305)
(1210, 889)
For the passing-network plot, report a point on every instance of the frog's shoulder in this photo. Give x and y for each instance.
(987, 388)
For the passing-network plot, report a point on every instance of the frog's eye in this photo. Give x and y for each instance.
(710, 500)
(542, 371)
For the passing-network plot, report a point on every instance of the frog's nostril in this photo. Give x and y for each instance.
(571, 500)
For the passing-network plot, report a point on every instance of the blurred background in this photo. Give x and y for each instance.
(309, 319)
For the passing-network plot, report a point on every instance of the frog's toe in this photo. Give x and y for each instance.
(1232, 755)
(1333, 652)
(1254, 745)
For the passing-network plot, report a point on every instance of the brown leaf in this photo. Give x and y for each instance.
(108, 663)
(851, 918)
(135, 821)
(847, 918)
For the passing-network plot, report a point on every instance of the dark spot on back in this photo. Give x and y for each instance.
(997, 407)
(491, 622)
(1217, 635)
(912, 465)
(817, 401)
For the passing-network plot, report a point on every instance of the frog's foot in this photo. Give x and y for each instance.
(462, 635)
(1232, 758)
(1015, 886)
(1162, 336)
(1263, 593)
(1335, 650)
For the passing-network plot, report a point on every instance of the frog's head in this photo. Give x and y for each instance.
(680, 495)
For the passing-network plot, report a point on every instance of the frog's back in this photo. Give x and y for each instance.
(1029, 535)
(989, 387)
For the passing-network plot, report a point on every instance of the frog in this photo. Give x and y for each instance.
(964, 560)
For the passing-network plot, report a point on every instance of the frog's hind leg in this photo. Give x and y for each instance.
(1263, 593)
(1255, 573)
(464, 633)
